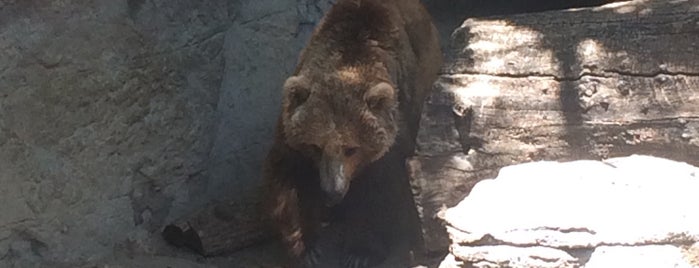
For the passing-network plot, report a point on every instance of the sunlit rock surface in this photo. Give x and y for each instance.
(636, 211)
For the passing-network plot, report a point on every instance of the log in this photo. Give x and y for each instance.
(221, 227)
(589, 83)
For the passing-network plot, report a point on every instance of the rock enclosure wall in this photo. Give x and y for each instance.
(119, 116)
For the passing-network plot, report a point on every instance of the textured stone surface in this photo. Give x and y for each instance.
(652, 256)
(635, 211)
(589, 83)
(106, 112)
(510, 256)
(262, 46)
(634, 200)
(119, 116)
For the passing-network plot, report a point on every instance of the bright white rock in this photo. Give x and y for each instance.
(584, 205)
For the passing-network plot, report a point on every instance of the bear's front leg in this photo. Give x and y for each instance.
(289, 203)
(364, 220)
(297, 222)
(379, 213)
(363, 247)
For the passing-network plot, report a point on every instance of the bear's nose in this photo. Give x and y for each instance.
(334, 187)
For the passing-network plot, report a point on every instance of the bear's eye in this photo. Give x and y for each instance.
(350, 151)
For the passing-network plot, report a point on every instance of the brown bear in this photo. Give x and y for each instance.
(350, 113)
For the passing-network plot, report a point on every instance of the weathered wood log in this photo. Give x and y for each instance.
(581, 84)
(221, 227)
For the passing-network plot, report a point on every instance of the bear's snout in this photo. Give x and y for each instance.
(333, 181)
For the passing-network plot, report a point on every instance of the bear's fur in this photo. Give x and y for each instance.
(350, 112)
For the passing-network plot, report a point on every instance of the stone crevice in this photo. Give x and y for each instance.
(607, 73)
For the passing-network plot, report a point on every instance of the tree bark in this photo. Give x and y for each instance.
(221, 227)
(565, 85)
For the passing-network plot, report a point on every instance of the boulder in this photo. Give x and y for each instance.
(590, 83)
(611, 213)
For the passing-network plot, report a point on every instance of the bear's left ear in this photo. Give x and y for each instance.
(380, 96)
(296, 91)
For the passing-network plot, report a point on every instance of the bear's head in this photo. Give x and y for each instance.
(342, 121)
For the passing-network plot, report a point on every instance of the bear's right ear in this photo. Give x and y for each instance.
(380, 96)
(296, 91)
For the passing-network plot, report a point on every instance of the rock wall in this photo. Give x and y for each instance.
(119, 116)
(262, 47)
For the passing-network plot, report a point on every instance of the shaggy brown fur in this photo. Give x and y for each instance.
(350, 110)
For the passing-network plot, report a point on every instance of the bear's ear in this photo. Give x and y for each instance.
(380, 96)
(296, 91)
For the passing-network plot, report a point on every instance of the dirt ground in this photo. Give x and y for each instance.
(265, 255)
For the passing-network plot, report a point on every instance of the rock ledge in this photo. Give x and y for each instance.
(636, 211)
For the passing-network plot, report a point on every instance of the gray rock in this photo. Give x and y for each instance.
(117, 117)
(260, 53)
(107, 111)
